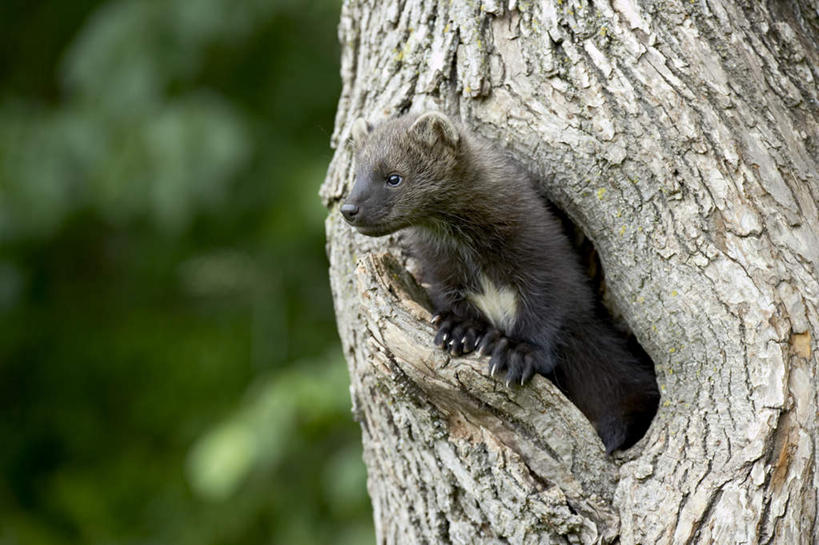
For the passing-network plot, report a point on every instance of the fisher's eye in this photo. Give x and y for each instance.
(394, 180)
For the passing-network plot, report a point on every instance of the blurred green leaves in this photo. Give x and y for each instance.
(166, 164)
(129, 139)
(169, 368)
(260, 434)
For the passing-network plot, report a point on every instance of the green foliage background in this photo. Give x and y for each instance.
(169, 365)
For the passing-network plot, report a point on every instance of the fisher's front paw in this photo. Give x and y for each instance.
(520, 360)
(456, 335)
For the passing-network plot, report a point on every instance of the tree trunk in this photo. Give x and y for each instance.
(681, 137)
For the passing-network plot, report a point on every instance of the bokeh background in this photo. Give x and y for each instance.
(169, 365)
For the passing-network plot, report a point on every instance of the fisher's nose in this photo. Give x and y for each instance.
(349, 210)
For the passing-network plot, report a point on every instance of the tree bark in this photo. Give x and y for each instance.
(681, 137)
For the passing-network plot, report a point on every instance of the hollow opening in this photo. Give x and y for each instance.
(590, 262)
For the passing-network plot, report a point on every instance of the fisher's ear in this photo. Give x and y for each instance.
(360, 131)
(434, 127)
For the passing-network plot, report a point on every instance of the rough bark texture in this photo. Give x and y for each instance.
(682, 137)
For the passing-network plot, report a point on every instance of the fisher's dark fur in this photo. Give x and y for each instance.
(498, 266)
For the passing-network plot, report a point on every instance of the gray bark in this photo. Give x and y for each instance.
(681, 136)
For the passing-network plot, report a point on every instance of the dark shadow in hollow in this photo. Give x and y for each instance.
(590, 262)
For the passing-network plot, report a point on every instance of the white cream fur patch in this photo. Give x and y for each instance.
(498, 304)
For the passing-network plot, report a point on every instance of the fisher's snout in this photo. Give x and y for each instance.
(349, 211)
